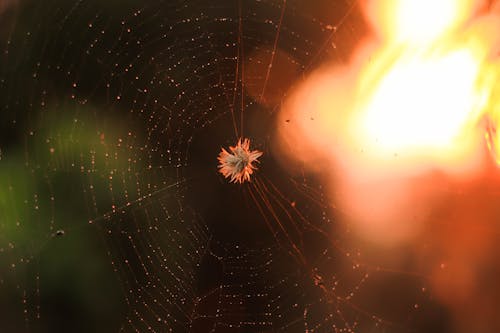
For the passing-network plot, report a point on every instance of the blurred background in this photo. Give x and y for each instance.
(113, 216)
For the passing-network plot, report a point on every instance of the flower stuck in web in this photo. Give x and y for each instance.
(238, 163)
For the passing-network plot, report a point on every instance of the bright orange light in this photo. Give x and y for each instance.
(401, 137)
(424, 92)
(422, 102)
(491, 78)
(419, 22)
(422, 96)
(424, 20)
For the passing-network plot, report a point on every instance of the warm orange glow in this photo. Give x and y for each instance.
(422, 95)
(423, 98)
(407, 137)
(419, 22)
(422, 102)
(424, 20)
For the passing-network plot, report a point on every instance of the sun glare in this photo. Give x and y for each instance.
(424, 20)
(422, 102)
(419, 96)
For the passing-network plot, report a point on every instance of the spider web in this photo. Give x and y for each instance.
(112, 214)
